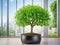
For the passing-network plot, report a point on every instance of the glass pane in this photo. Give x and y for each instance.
(27, 28)
(28, 2)
(4, 33)
(38, 2)
(12, 10)
(19, 30)
(19, 3)
(52, 26)
(37, 29)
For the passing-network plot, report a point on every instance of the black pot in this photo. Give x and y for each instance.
(31, 38)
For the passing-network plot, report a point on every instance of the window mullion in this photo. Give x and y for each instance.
(1, 15)
(7, 17)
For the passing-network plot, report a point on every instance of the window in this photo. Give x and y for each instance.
(37, 29)
(4, 33)
(13, 5)
(19, 30)
(12, 10)
(52, 26)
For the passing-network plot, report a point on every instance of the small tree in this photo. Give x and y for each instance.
(32, 15)
(53, 7)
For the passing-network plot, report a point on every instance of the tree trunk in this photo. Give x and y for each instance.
(31, 28)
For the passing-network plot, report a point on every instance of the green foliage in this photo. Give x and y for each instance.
(52, 23)
(0, 31)
(54, 11)
(54, 7)
(3, 32)
(53, 34)
(32, 14)
(11, 31)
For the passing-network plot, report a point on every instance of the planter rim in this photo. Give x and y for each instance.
(28, 34)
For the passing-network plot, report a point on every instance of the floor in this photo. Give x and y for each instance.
(17, 41)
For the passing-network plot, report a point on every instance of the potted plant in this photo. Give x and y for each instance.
(31, 15)
(53, 8)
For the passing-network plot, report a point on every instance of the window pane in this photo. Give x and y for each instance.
(19, 30)
(4, 33)
(52, 30)
(37, 29)
(19, 3)
(27, 28)
(12, 10)
(38, 2)
(28, 2)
